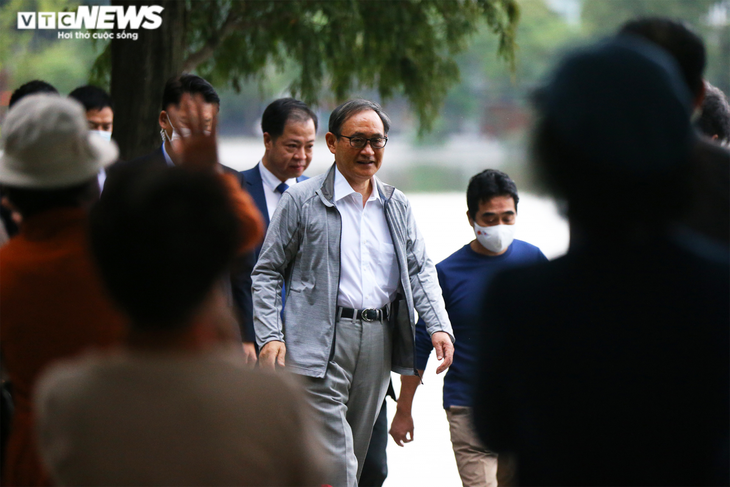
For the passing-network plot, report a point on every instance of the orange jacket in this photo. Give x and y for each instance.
(52, 306)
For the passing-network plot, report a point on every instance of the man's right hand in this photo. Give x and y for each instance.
(272, 354)
(401, 429)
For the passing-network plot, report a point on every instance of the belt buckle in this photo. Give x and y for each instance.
(367, 316)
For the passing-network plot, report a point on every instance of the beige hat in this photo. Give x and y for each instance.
(48, 145)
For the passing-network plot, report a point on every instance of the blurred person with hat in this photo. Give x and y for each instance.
(52, 304)
(609, 366)
(9, 218)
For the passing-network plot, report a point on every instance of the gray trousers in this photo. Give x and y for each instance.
(347, 400)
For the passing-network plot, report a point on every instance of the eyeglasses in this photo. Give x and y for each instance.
(359, 142)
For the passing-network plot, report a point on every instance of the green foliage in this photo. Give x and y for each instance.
(38, 54)
(339, 46)
(603, 17)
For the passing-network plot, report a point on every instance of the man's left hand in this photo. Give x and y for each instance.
(444, 349)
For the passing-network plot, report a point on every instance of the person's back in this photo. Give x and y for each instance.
(176, 405)
(617, 368)
(173, 419)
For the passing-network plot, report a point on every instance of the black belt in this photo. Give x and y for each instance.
(369, 314)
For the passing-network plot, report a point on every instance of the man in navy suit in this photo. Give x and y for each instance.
(289, 127)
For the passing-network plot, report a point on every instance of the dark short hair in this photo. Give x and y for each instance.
(280, 111)
(678, 40)
(32, 201)
(188, 83)
(485, 186)
(343, 112)
(30, 88)
(92, 97)
(715, 117)
(161, 239)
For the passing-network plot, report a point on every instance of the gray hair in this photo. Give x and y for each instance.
(343, 112)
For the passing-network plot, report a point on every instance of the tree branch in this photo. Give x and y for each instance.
(205, 52)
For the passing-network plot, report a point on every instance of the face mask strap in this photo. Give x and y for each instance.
(163, 132)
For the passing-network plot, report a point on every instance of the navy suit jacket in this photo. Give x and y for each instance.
(251, 180)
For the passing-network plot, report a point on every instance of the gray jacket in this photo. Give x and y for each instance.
(302, 246)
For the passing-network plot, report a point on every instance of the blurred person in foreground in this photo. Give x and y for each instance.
(99, 114)
(464, 276)
(704, 226)
(10, 219)
(178, 108)
(714, 121)
(609, 366)
(52, 304)
(177, 406)
(355, 267)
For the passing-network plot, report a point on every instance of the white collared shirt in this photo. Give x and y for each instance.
(368, 267)
(168, 159)
(270, 183)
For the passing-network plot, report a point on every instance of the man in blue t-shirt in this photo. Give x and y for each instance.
(464, 275)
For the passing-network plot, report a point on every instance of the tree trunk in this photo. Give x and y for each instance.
(140, 69)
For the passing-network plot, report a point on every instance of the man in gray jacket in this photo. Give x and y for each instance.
(355, 267)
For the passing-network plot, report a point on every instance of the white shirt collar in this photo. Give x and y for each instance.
(272, 181)
(343, 188)
(167, 156)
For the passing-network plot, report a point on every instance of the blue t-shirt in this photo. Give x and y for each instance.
(464, 277)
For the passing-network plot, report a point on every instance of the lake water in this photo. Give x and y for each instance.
(441, 218)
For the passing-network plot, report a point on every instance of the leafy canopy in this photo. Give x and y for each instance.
(339, 46)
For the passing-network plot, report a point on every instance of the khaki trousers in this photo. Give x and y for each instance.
(477, 465)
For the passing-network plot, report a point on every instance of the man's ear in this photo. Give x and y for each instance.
(164, 121)
(331, 139)
(468, 216)
(268, 141)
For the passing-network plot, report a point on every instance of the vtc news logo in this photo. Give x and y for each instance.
(94, 17)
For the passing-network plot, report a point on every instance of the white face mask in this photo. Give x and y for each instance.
(175, 134)
(495, 238)
(103, 134)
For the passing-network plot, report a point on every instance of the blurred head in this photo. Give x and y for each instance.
(161, 240)
(290, 128)
(50, 159)
(613, 135)
(354, 127)
(30, 88)
(173, 118)
(679, 41)
(98, 106)
(714, 122)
